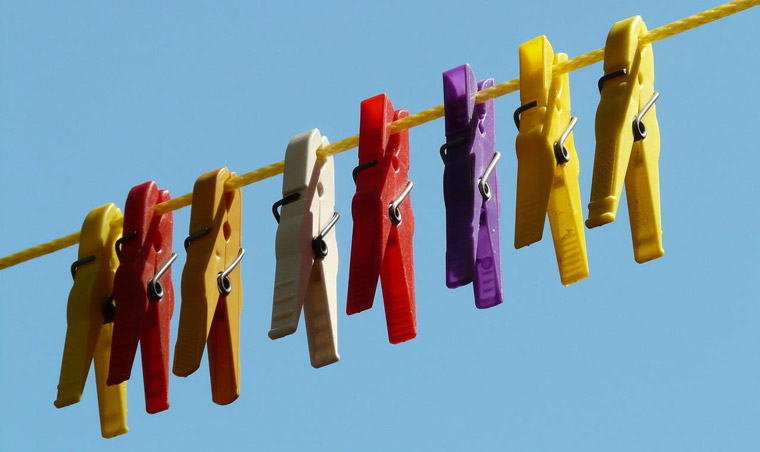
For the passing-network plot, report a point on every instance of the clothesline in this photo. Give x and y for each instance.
(411, 121)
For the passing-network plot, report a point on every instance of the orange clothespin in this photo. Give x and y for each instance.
(548, 167)
(89, 315)
(212, 292)
(307, 252)
(627, 149)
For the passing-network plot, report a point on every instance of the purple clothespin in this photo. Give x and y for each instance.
(471, 188)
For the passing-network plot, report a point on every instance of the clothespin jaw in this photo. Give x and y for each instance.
(383, 221)
(471, 188)
(306, 249)
(212, 292)
(89, 315)
(628, 140)
(144, 292)
(548, 165)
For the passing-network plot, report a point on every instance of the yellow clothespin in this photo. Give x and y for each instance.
(90, 321)
(548, 167)
(625, 147)
(307, 252)
(212, 292)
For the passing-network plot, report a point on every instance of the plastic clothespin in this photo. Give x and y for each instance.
(626, 148)
(471, 188)
(144, 292)
(212, 291)
(90, 315)
(383, 221)
(548, 167)
(306, 274)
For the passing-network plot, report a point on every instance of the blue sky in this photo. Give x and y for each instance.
(96, 98)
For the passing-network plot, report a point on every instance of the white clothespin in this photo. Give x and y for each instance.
(307, 252)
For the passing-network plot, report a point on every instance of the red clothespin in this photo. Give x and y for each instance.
(144, 292)
(383, 221)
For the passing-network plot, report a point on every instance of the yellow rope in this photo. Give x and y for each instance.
(39, 250)
(175, 203)
(697, 20)
(409, 122)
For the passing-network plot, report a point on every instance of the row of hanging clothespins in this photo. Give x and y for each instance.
(123, 293)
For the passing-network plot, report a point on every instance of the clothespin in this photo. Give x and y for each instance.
(471, 188)
(548, 167)
(626, 148)
(306, 274)
(144, 292)
(89, 315)
(383, 221)
(212, 292)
